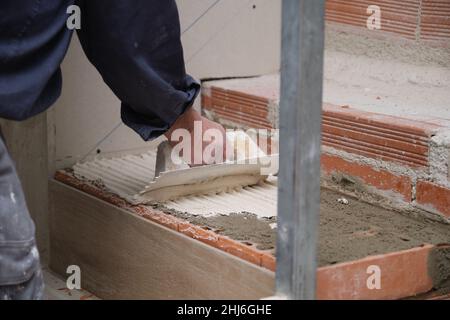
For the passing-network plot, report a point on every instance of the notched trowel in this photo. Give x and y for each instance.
(164, 160)
(174, 178)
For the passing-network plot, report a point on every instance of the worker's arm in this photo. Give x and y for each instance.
(33, 41)
(136, 47)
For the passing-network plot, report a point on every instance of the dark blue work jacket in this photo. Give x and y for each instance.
(134, 44)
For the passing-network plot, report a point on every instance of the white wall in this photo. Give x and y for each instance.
(235, 38)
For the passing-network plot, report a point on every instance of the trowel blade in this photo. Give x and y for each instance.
(164, 161)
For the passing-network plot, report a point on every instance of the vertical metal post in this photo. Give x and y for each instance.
(300, 142)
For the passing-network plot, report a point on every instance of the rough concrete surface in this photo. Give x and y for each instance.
(386, 47)
(439, 267)
(359, 229)
(347, 232)
(381, 74)
(389, 87)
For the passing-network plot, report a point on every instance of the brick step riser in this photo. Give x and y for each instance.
(393, 156)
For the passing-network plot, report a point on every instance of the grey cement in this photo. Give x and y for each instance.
(439, 267)
(347, 232)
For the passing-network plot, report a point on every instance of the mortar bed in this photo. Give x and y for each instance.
(347, 231)
(353, 236)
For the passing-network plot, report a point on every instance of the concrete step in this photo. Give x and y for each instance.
(399, 148)
(412, 267)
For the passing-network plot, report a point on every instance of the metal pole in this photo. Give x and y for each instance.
(300, 142)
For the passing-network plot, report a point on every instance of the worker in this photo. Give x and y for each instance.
(135, 46)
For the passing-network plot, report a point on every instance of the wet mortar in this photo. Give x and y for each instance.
(347, 231)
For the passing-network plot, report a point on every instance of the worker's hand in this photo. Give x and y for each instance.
(206, 139)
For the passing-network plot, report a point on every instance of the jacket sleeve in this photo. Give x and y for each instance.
(33, 42)
(136, 47)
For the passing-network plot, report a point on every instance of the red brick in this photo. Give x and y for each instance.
(378, 136)
(206, 102)
(158, 217)
(239, 107)
(111, 198)
(403, 274)
(240, 250)
(380, 179)
(268, 261)
(387, 123)
(373, 135)
(395, 17)
(198, 233)
(435, 21)
(375, 138)
(432, 195)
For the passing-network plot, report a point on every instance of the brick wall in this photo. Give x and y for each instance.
(412, 19)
